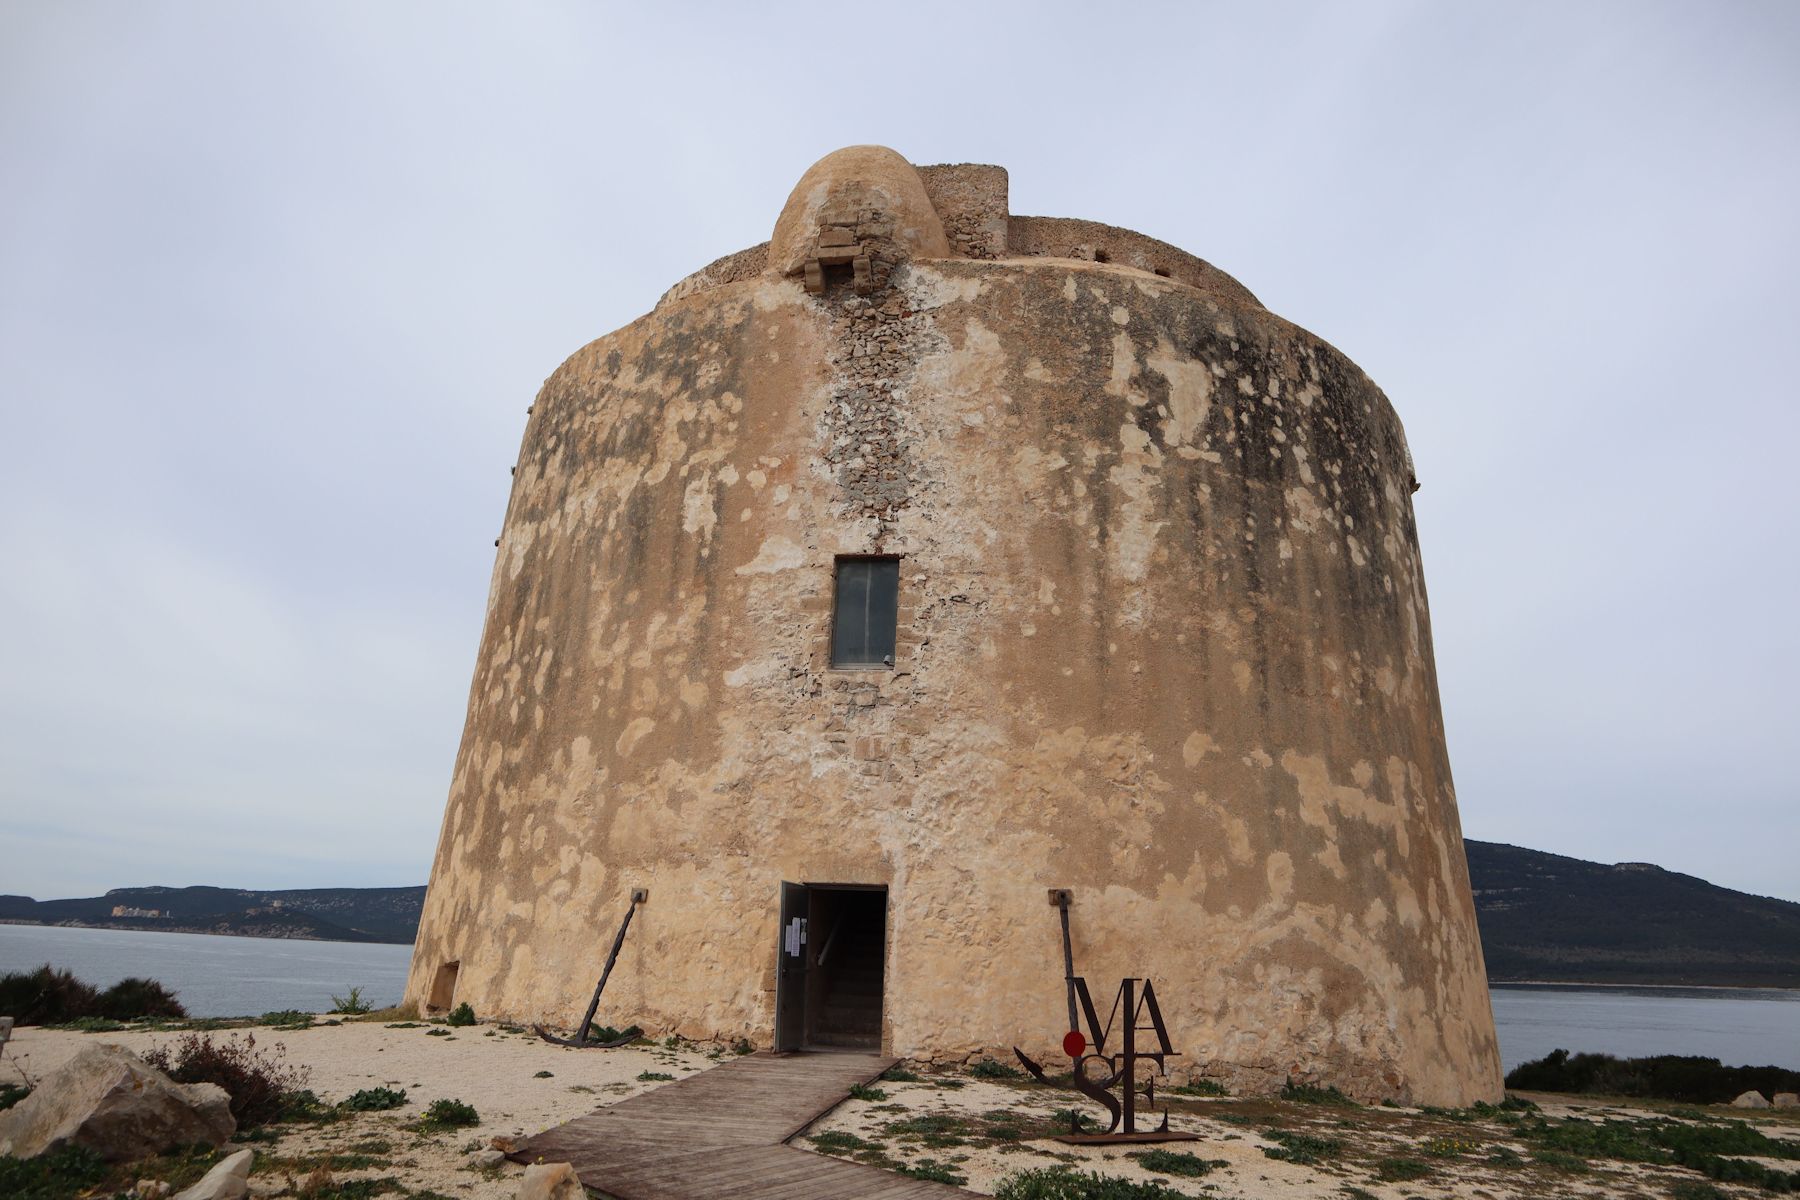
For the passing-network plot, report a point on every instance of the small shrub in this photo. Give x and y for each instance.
(742, 1046)
(374, 1100)
(58, 1175)
(933, 1171)
(259, 1083)
(838, 1141)
(352, 1005)
(987, 1068)
(439, 1033)
(1200, 1087)
(1447, 1147)
(1178, 1162)
(544, 1075)
(138, 1000)
(1400, 1170)
(606, 1033)
(449, 1114)
(863, 1091)
(654, 1077)
(1308, 1093)
(1061, 1183)
(47, 996)
(11, 1094)
(900, 1075)
(460, 1016)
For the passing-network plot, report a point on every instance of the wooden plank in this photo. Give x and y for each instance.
(724, 1132)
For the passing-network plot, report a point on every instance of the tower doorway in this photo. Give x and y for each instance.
(832, 966)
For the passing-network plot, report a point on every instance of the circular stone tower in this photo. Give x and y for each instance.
(923, 560)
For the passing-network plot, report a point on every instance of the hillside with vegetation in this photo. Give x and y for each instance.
(315, 914)
(1555, 919)
(1543, 917)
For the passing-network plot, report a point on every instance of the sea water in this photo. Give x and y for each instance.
(239, 976)
(216, 976)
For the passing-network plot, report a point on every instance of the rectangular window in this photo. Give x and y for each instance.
(862, 625)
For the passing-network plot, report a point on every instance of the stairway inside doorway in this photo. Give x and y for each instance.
(844, 986)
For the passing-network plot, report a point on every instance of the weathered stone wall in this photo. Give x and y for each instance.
(1163, 641)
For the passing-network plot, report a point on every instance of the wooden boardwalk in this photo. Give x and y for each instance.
(724, 1132)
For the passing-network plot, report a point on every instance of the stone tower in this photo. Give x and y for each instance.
(927, 558)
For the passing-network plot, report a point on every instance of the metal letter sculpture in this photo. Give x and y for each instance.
(1120, 1068)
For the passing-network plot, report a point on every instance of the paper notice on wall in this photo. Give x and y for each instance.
(793, 938)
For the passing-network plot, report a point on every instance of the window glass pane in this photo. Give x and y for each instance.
(867, 597)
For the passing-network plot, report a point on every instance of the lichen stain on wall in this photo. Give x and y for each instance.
(1162, 640)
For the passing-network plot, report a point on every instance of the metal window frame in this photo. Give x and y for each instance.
(836, 562)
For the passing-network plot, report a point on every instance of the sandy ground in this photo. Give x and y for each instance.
(978, 1129)
(495, 1071)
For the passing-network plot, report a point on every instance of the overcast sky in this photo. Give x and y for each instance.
(277, 282)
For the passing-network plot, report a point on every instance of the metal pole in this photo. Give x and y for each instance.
(587, 1019)
(1068, 961)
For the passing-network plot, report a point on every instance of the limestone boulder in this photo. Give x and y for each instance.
(117, 1105)
(1751, 1099)
(1786, 1100)
(551, 1181)
(228, 1180)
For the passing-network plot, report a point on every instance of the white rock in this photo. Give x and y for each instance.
(487, 1158)
(229, 1180)
(151, 1189)
(1752, 1099)
(551, 1181)
(116, 1105)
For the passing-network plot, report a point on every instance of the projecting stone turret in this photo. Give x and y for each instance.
(921, 561)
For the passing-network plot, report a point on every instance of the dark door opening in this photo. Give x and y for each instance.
(833, 951)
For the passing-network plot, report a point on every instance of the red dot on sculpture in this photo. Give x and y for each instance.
(1073, 1043)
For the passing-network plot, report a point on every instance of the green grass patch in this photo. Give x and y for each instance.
(654, 1077)
(988, 1068)
(544, 1075)
(838, 1141)
(60, 1175)
(1400, 1170)
(1062, 1183)
(1178, 1162)
(1308, 1093)
(1720, 1151)
(932, 1171)
(1200, 1087)
(864, 1091)
(1447, 1147)
(286, 1019)
(1302, 1148)
(900, 1075)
